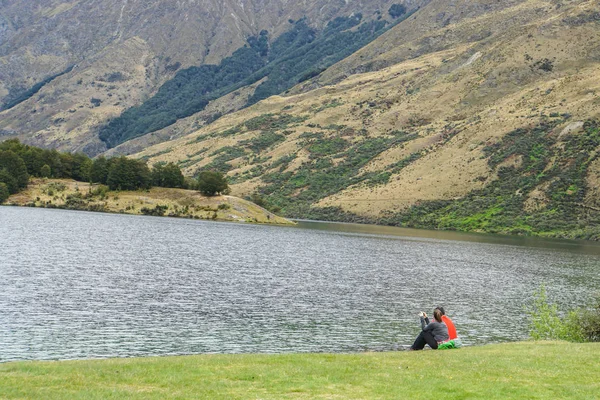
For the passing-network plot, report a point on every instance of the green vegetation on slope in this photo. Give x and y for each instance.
(541, 192)
(342, 37)
(536, 184)
(540, 370)
(335, 164)
(187, 93)
(297, 55)
(272, 131)
(540, 189)
(540, 185)
(337, 156)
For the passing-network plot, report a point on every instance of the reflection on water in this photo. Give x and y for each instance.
(77, 285)
(579, 246)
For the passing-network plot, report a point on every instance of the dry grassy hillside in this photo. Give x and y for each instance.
(421, 122)
(73, 195)
(120, 52)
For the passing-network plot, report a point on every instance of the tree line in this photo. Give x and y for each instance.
(19, 162)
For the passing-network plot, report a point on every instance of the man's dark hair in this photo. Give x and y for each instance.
(441, 309)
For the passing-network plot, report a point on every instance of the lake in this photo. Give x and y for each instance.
(90, 285)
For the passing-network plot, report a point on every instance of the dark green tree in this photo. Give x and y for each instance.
(34, 159)
(99, 170)
(85, 169)
(8, 180)
(19, 161)
(397, 10)
(45, 171)
(53, 160)
(4, 193)
(296, 55)
(127, 174)
(21, 97)
(15, 166)
(167, 175)
(76, 166)
(13, 145)
(211, 183)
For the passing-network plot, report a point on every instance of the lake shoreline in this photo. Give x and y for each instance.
(77, 196)
(453, 235)
(508, 370)
(347, 218)
(67, 194)
(396, 349)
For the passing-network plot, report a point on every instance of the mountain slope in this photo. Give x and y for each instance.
(421, 115)
(297, 55)
(121, 52)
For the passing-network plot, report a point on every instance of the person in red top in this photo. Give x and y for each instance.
(449, 324)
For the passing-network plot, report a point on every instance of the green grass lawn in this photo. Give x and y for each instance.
(529, 370)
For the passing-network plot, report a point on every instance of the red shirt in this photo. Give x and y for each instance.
(451, 328)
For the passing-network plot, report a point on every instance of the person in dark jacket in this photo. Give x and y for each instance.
(431, 333)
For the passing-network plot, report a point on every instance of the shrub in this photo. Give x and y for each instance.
(157, 211)
(263, 141)
(211, 183)
(191, 183)
(53, 187)
(257, 199)
(100, 190)
(311, 74)
(114, 77)
(75, 201)
(546, 324)
(589, 322)
(545, 65)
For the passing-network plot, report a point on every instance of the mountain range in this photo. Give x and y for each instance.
(467, 115)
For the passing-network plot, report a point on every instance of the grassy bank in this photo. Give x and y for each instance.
(546, 370)
(73, 195)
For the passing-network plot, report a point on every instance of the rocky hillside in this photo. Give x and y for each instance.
(68, 67)
(467, 115)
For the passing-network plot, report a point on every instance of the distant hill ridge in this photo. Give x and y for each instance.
(123, 51)
(297, 55)
(479, 116)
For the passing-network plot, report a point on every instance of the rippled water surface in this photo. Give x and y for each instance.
(79, 285)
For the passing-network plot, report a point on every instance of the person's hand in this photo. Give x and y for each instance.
(424, 315)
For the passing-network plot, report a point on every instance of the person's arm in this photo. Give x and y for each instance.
(429, 327)
(424, 322)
